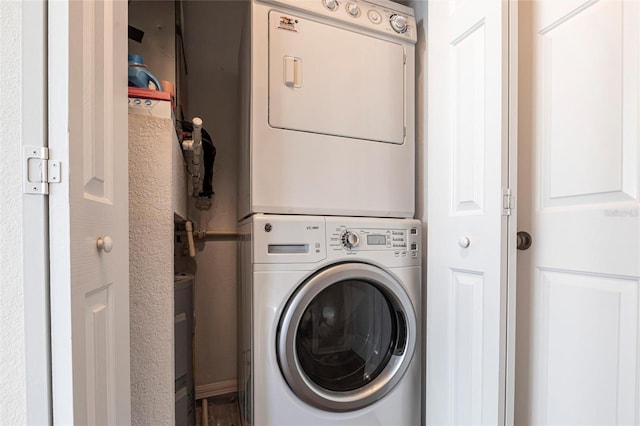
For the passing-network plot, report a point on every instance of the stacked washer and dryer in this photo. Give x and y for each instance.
(330, 259)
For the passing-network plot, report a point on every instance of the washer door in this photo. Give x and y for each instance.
(346, 337)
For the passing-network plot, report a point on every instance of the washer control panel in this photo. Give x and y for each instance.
(405, 242)
(314, 239)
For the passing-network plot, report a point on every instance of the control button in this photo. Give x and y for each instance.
(374, 16)
(414, 246)
(332, 5)
(350, 239)
(398, 23)
(353, 9)
(414, 231)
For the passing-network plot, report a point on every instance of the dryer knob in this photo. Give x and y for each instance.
(350, 239)
(353, 9)
(332, 5)
(398, 23)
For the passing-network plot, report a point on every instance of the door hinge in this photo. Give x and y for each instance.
(39, 170)
(507, 202)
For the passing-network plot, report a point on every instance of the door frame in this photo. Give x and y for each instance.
(512, 222)
(35, 217)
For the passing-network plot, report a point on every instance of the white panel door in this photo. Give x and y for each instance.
(89, 286)
(468, 126)
(578, 298)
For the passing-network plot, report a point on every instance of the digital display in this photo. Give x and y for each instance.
(376, 240)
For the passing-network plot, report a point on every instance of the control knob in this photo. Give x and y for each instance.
(332, 5)
(398, 23)
(353, 9)
(350, 239)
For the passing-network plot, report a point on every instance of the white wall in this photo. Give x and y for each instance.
(212, 38)
(13, 408)
(24, 339)
(152, 177)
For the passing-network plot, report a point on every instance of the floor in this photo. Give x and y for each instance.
(223, 411)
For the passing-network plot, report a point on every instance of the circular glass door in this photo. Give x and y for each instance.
(346, 337)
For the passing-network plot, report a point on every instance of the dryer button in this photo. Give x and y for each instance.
(353, 9)
(374, 16)
(332, 5)
(399, 23)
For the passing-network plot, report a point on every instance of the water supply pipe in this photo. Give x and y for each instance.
(194, 148)
(189, 230)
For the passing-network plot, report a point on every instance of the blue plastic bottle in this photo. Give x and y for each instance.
(139, 76)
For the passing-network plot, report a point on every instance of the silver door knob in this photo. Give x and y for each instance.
(464, 242)
(105, 244)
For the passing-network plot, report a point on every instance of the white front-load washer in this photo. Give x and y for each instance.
(328, 108)
(329, 321)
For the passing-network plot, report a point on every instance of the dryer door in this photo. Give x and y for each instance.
(346, 337)
(329, 80)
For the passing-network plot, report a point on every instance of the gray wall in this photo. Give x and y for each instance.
(212, 38)
(157, 19)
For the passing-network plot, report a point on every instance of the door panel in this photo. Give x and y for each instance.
(595, 102)
(585, 333)
(468, 115)
(319, 75)
(89, 285)
(467, 173)
(99, 354)
(97, 97)
(467, 295)
(578, 294)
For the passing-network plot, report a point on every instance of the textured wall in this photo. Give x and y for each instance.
(212, 35)
(151, 270)
(12, 345)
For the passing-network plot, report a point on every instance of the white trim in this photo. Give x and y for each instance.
(35, 218)
(513, 219)
(58, 66)
(216, 389)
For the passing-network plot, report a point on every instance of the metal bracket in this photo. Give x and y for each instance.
(507, 202)
(39, 171)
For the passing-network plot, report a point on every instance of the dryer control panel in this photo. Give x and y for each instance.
(383, 16)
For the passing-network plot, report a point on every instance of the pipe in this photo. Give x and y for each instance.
(205, 412)
(222, 235)
(196, 160)
(189, 232)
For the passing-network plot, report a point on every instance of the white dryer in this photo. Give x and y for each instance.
(328, 108)
(329, 321)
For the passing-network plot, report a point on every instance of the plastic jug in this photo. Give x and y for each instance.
(139, 76)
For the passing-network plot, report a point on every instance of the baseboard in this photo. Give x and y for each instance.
(216, 389)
